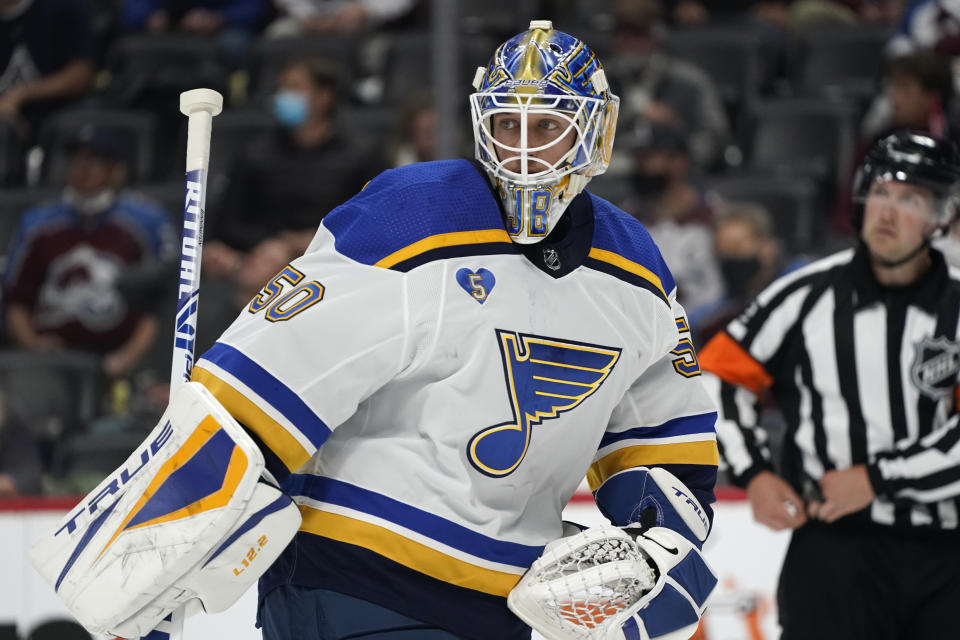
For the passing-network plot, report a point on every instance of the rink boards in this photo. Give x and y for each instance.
(746, 556)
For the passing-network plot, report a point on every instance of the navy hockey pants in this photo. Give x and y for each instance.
(840, 583)
(301, 613)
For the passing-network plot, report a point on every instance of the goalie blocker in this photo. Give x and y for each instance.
(187, 517)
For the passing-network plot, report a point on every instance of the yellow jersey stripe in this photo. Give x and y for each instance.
(247, 413)
(628, 265)
(556, 395)
(442, 240)
(646, 455)
(409, 553)
(568, 366)
(570, 382)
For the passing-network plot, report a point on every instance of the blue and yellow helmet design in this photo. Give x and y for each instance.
(542, 78)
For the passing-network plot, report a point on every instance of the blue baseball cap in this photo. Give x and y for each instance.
(101, 141)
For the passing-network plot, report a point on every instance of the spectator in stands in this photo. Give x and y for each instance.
(46, 59)
(200, 17)
(813, 13)
(661, 88)
(62, 281)
(785, 13)
(302, 17)
(747, 250)
(417, 138)
(918, 94)
(927, 24)
(285, 181)
(234, 22)
(675, 211)
(693, 13)
(749, 258)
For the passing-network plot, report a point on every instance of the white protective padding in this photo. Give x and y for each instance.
(632, 495)
(682, 500)
(186, 517)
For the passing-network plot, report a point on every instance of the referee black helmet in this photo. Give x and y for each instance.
(915, 158)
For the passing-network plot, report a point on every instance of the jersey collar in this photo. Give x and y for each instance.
(926, 293)
(567, 245)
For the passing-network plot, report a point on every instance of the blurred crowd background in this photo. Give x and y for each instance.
(741, 125)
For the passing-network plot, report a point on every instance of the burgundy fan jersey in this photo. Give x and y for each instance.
(66, 268)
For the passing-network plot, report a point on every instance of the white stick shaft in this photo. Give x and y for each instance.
(188, 290)
(199, 105)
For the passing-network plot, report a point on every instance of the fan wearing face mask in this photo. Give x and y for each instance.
(61, 285)
(676, 212)
(285, 180)
(749, 258)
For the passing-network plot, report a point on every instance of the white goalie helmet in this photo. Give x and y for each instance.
(543, 71)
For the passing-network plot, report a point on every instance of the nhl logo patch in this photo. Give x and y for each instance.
(552, 259)
(936, 363)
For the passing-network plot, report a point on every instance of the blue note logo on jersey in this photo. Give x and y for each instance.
(545, 377)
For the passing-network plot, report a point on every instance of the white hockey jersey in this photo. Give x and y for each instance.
(436, 395)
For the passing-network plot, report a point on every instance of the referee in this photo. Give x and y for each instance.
(861, 352)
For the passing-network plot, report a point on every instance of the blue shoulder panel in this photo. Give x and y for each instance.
(623, 248)
(45, 215)
(422, 212)
(150, 219)
(37, 218)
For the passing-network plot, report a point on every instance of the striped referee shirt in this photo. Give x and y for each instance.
(863, 374)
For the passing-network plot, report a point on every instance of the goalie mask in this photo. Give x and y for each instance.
(543, 124)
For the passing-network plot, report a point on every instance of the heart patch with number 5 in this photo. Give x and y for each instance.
(477, 283)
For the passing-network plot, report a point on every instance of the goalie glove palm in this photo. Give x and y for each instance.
(602, 584)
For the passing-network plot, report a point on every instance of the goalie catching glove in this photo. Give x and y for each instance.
(612, 583)
(188, 516)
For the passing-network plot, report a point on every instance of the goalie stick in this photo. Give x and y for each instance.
(200, 106)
